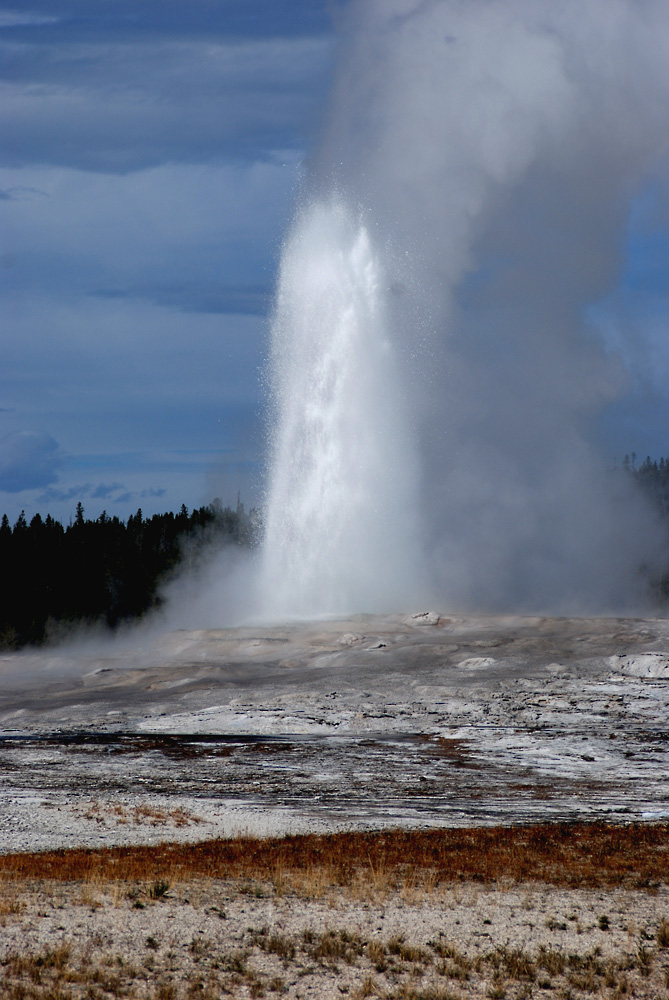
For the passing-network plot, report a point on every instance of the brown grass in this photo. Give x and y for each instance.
(142, 815)
(567, 855)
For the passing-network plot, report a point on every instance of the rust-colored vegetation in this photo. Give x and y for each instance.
(565, 854)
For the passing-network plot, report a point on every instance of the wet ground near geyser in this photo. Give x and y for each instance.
(369, 721)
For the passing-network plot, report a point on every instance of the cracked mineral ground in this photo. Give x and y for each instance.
(365, 722)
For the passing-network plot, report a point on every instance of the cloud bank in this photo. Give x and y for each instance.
(149, 158)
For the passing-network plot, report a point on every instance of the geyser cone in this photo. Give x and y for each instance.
(339, 531)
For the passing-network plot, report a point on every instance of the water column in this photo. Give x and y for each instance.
(340, 533)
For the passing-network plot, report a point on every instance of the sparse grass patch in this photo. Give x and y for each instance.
(555, 925)
(10, 906)
(274, 943)
(331, 946)
(245, 963)
(645, 958)
(411, 993)
(551, 960)
(408, 953)
(515, 962)
(234, 961)
(116, 814)
(498, 990)
(376, 953)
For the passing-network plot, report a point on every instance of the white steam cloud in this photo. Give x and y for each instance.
(436, 387)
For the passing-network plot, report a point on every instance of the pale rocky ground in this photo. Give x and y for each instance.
(213, 939)
(366, 722)
(360, 723)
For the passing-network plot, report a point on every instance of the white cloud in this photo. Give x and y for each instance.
(120, 107)
(194, 236)
(151, 162)
(24, 18)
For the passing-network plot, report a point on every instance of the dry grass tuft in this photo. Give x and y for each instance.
(662, 936)
(105, 813)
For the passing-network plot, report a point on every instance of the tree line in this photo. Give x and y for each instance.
(653, 477)
(106, 571)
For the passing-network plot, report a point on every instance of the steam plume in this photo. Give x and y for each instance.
(436, 386)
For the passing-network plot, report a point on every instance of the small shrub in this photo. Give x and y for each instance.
(159, 889)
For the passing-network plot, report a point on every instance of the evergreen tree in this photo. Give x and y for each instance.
(104, 571)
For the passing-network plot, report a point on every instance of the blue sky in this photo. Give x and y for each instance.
(150, 157)
(149, 162)
(633, 322)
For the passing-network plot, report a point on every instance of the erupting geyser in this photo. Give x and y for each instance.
(436, 388)
(339, 533)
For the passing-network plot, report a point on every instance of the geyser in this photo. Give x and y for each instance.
(340, 531)
(436, 389)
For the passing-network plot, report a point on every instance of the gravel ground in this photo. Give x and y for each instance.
(212, 939)
(427, 720)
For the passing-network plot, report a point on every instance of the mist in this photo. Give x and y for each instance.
(482, 157)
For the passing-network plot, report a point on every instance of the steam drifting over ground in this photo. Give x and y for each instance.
(436, 385)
